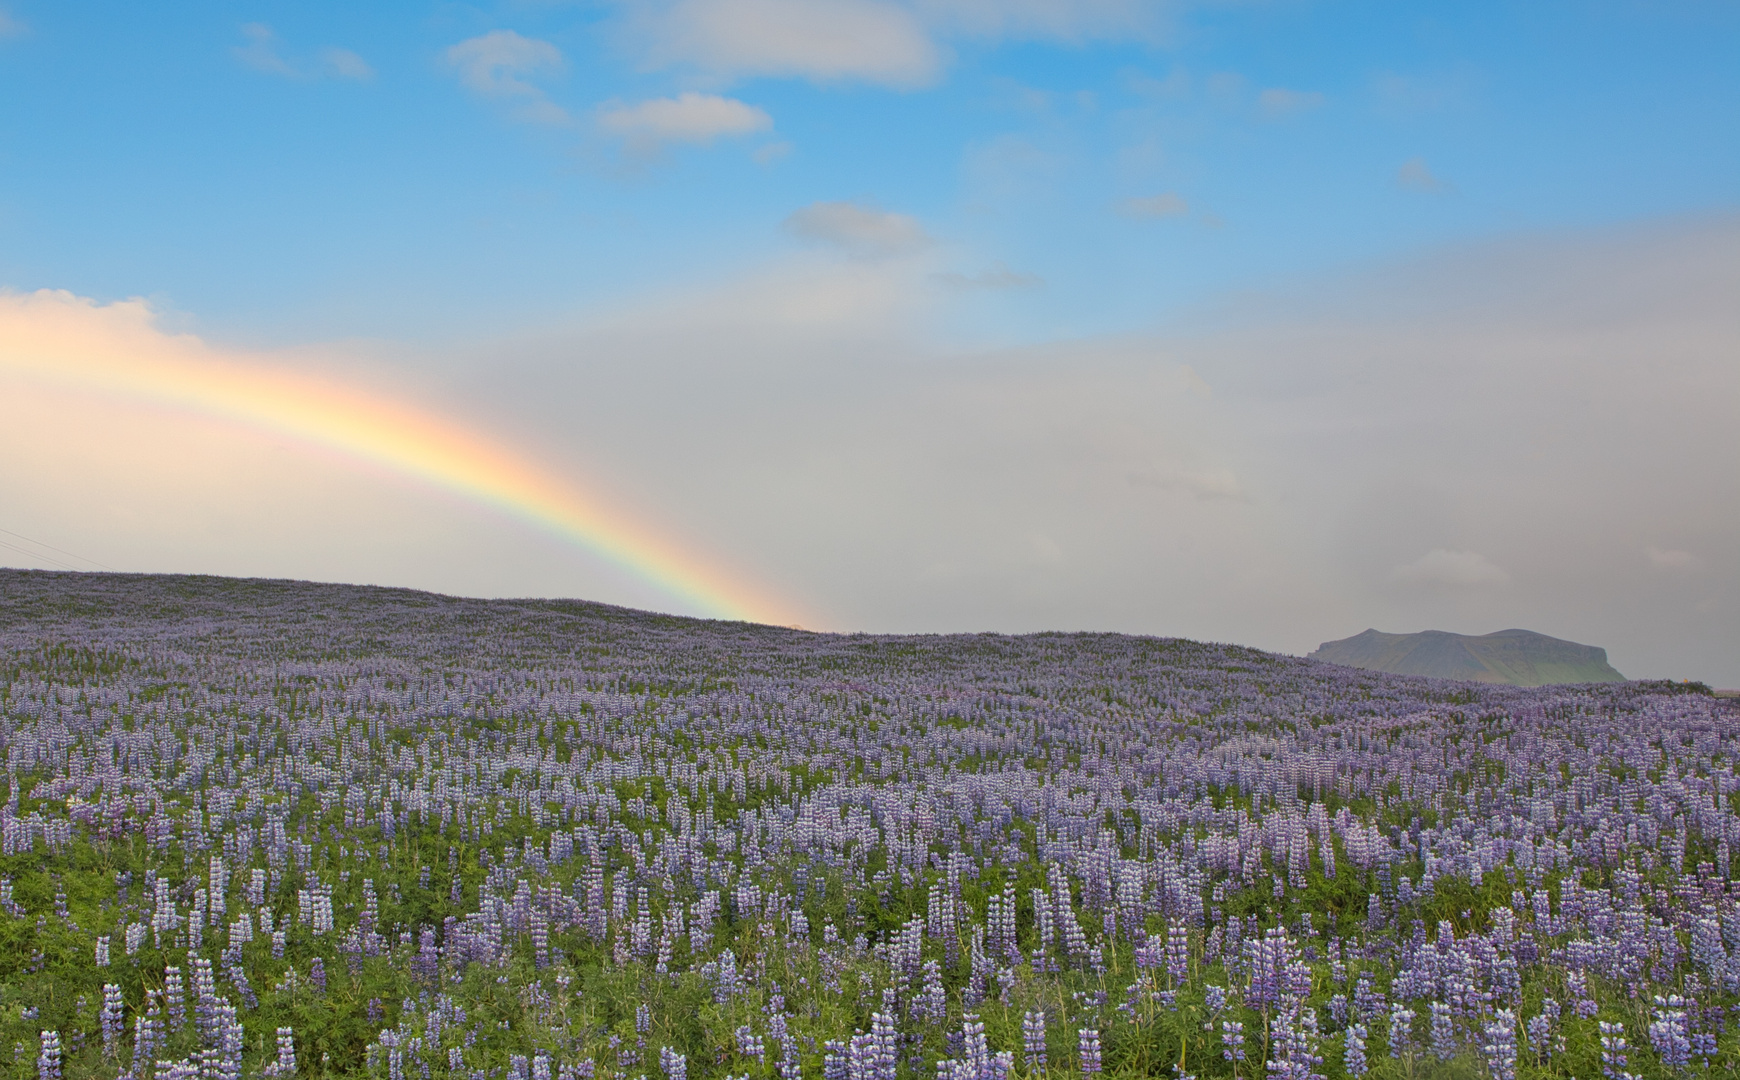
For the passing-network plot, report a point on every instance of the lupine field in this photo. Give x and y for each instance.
(263, 829)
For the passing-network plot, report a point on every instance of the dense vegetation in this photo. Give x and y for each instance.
(257, 828)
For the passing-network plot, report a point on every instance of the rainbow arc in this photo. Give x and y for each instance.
(116, 349)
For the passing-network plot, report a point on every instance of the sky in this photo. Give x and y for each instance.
(1257, 322)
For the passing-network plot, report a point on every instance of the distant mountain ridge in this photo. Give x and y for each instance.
(1518, 657)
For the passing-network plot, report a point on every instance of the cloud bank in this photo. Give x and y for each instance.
(1433, 444)
(1534, 433)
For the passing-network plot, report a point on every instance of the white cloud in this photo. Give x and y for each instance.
(1414, 95)
(1277, 102)
(1415, 176)
(772, 152)
(502, 64)
(786, 308)
(1166, 204)
(262, 53)
(859, 228)
(1670, 558)
(1011, 168)
(344, 64)
(1443, 566)
(1071, 21)
(1175, 85)
(9, 26)
(1226, 86)
(825, 40)
(897, 43)
(689, 117)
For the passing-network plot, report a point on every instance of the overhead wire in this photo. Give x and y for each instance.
(38, 556)
(50, 547)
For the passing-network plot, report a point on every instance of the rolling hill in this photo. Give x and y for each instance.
(1518, 657)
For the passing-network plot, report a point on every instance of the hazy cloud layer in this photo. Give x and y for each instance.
(1534, 434)
(1670, 558)
(1451, 569)
(1492, 438)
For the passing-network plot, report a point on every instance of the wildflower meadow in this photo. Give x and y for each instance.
(270, 829)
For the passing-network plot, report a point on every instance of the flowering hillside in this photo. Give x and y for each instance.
(274, 829)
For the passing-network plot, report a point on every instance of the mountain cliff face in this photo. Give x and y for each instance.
(1519, 657)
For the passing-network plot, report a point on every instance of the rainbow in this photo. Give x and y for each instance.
(117, 349)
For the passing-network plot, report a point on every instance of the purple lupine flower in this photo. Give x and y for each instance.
(1541, 1030)
(1214, 998)
(1033, 1039)
(285, 1065)
(860, 1057)
(675, 1065)
(750, 1044)
(174, 998)
(1353, 1057)
(1232, 1038)
(1178, 952)
(1294, 1045)
(147, 1040)
(1499, 1047)
(48, 1057)
(1401, 1034)
(1668, 1032)
(1089, 1042)
(1703, 1044)
(886, 1038)
(112, 1019)
(1613, 1051)
(1442, 1031)
(976, 1053)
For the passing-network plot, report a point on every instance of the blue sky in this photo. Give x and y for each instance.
(248, 181)
(711, 254)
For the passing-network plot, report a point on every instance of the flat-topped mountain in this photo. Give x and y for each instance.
(1519, 657)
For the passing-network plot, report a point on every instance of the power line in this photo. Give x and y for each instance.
(37, 556)
(51, 547)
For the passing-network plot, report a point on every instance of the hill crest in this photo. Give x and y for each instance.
(1517, 657)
